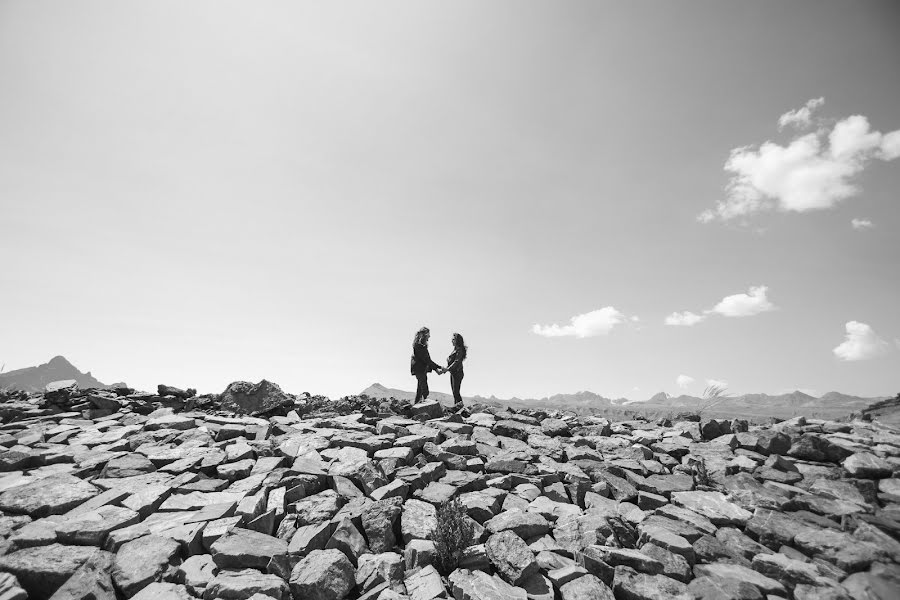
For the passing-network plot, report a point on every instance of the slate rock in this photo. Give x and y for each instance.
(865, 465)
(244, 548)
(478, 585)
(714, 506)
(524, 524)
(246, 583)
(196, 572)
(511, 557)
(424, 584)
(142, 561)
(51, 495)
(378, 520)
(244, 397)
(631, 585)
(322, 575)
(43, 569)
(91, 528)
(587, 587)
(719, 588)
(720, 571)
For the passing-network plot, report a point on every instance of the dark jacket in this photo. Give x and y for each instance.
(421, 362)
(455, 361)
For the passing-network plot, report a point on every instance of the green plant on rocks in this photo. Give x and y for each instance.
(453, 535)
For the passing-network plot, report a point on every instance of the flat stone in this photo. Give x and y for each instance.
(51, 495)
(720, 571)
(196, 572)
(418, 520)
(91, 528)
(714, 506)
(631, 585)
(142, 561)
(634, 559)
(244, 548)
(587, 587)
(524, 524)
(378, 521)
(788, 571)
(718, 588)
(478, 585)
(246, 584)
(323, 575)
(424, 584)
(511, 557)
(163, 591)
(127, 466)
(867, 466)
(44, 569)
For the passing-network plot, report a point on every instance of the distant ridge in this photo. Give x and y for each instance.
(34, 379)
(830, 405)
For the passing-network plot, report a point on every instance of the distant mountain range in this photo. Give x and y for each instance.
(34, 379)
(759, 406)
(756, 406)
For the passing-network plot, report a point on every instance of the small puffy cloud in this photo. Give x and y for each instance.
(716, 383)
(813, 171)
(744, 305)
(594, 323)
(684, 319)
(684, 380)
(860, 343)
(802, 116)
(862, 224)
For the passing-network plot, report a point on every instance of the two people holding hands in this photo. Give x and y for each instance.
(421, 364)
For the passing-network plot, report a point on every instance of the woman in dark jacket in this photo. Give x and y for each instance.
(420, 364)
(455, 366)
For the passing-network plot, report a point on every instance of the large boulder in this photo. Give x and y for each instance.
(254, 398)
(246, 549)
(323, 575)
(43, 569)
(143, 561)
(51, 495)
(511, 557)
(478, 585)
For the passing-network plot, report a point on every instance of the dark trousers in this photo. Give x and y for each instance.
(455, 382)
(422, 387)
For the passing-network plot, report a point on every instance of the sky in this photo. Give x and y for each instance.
(622, 197)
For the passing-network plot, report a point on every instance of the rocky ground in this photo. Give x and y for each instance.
(259, 494)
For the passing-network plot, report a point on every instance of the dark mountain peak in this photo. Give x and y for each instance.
(35, 379)
(60, 362)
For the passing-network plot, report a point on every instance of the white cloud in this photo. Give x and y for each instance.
(801, 117)
(860, 343)
(594, 323)
(861, 224)
(716, 383)
(744, 305)
(684, 380)
(813, 171)
(686, 318)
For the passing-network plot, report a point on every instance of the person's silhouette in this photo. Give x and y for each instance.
(455, 366)
(421, 363)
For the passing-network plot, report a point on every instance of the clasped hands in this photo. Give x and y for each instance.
(441, 370)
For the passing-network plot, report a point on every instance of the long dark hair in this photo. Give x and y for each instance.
(459, 342)
(420, 336)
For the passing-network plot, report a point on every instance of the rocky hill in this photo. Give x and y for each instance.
(35, 379)
(259, 494)
(758, 407)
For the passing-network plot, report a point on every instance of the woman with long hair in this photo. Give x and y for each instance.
(421, 364)
(455, 366)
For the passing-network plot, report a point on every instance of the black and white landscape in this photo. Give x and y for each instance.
(418, 300)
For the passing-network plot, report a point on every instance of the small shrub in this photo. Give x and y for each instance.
(453, 535)
(702, 480)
